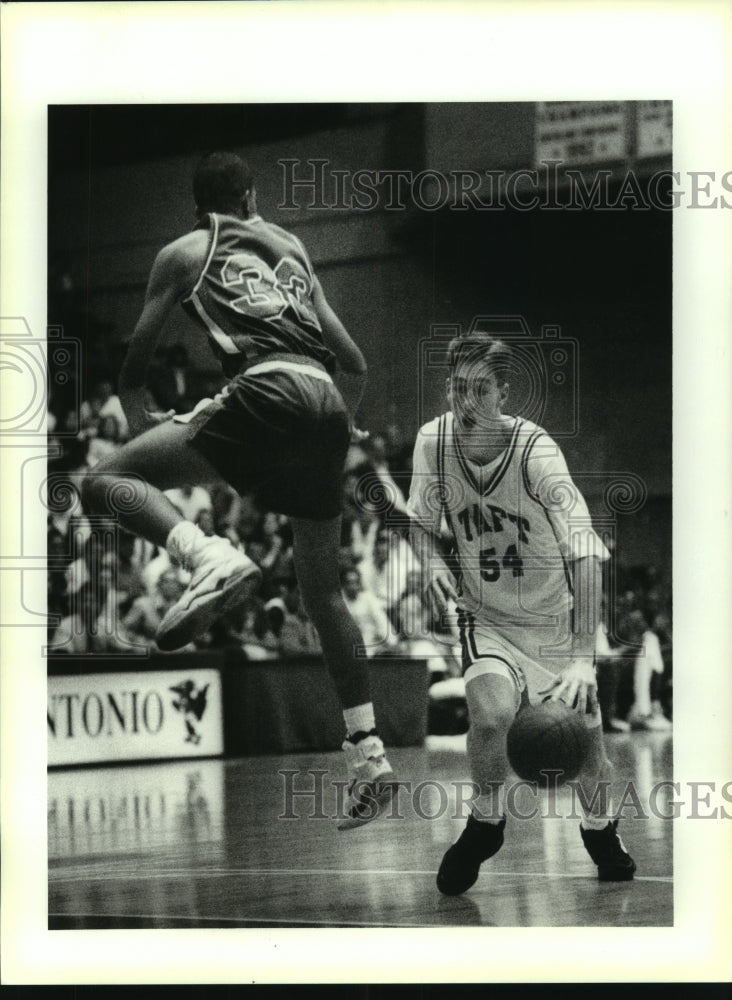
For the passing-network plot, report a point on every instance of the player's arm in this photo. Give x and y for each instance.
(583, 553)
(166, 286)
(576, 684)
(351, 374)
(439, 581)
(424, 525)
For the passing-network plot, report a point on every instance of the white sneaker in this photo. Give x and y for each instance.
(222, 577)
(651, 723)
(372, 782)
(658, 723)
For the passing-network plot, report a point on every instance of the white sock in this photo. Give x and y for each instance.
(359, 719)
(182, 541)
(590, 822)
(490, 808)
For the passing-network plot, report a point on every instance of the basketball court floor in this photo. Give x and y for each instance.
(214, 843)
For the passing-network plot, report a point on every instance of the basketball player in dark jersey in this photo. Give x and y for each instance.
(279, 429)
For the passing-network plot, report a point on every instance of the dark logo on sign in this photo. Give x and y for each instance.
(191, 703)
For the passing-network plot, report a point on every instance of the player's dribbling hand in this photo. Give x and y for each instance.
(576, 686)
(358, 436)
(442, 590)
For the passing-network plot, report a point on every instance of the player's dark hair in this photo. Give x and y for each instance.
(481, 349)
(220, 182)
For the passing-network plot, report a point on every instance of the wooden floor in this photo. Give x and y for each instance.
(204, 844)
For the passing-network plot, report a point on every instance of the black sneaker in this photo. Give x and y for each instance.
(607, 850)
(461, 863)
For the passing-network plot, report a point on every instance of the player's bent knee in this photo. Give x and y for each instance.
(493, 721)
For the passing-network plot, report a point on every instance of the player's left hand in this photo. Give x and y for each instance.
(359, 436)
(576, 685)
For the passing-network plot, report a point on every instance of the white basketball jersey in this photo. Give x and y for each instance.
(514, 524)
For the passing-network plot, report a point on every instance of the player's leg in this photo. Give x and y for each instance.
(492, 694)
(599, 833)
(316, 548)
(598, 829)
(129, 486)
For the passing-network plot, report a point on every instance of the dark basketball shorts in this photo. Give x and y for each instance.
(279, 431)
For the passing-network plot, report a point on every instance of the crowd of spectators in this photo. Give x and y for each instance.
(108, 591)
(635, 653)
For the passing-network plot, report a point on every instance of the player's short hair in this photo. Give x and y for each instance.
(481, 349)
(220, 182)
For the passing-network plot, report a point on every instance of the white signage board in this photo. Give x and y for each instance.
(578, 132)
(93, 718)
(655, 128)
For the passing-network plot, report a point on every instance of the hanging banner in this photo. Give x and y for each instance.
(95, 718)
(577, 132)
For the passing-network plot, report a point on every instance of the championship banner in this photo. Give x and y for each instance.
(579, 132)
(95, 718)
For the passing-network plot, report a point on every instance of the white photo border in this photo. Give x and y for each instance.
(193, 52)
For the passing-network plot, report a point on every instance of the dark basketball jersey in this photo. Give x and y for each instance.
(254, 294)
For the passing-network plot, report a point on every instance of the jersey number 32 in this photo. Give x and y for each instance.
(266, 293)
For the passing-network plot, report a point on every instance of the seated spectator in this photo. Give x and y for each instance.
(73, 637)
(129, 578)
(142, 620)
(367, 612)
(271, 548)
(249, 520)
(105, 442)
(190, 500)
(285, 598)
(645, 712)
(90, 550)
(377, 449)
(662, 690)
(152, 570)
(297, 635)
(64, 504)
(171, 381)
(361, 521)
(226, 505)
(107, 583)
(419, 635)
(85, 629)
(58, 560)
(610, 663)
(102, 402)
(251, 629)
(385, 568)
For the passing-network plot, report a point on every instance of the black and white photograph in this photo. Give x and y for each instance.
(351, 472)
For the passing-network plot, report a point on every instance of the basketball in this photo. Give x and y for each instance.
(550, 736)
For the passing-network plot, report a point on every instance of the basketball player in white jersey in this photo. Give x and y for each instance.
(527, 585)
(280, 430)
